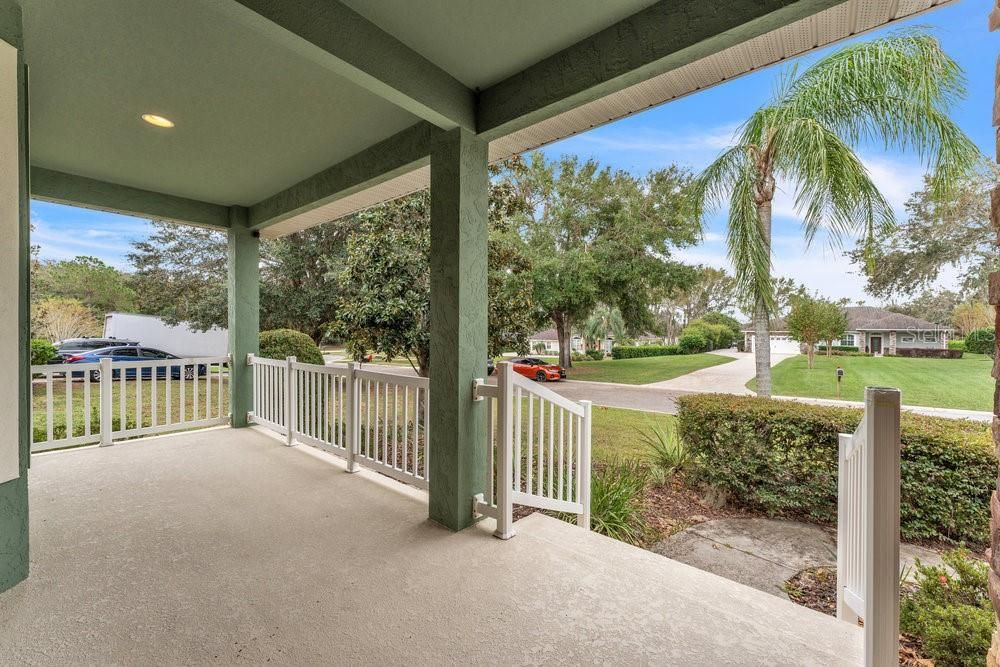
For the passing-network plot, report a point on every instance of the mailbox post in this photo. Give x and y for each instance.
(840, 376)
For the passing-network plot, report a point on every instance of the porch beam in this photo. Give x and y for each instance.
(244, 312)
(401, 153)
(62, 188)
(335, 36)
(458, 325)
(660, 38)
(15, 377)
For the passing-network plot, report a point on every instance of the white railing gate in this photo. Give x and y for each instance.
(538, 444)
(868, 526)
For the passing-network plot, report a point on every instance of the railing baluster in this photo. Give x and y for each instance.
(87, 417)
(49, 405)
(69, 404)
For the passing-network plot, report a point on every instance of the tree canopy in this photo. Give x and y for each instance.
(385, 281)
(96, 285)
(600, 236)
(938, 233)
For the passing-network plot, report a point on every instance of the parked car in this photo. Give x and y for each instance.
(74, 346)
(133, 353)
(537, 369)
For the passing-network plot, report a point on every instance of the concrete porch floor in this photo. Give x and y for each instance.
(225, 546)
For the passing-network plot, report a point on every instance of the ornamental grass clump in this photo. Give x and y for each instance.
(616, 492)
(666, 449)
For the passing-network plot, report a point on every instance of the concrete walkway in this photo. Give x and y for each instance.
(949, 413)
(765, 553)
(728, 378)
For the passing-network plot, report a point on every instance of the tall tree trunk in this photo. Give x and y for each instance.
(564, 331)
(761, 323)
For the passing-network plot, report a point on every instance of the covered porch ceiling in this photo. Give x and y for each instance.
(306, 111)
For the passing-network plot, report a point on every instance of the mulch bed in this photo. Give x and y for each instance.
(816, 588)
(671, 508)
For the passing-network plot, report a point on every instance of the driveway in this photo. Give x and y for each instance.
(728, 378)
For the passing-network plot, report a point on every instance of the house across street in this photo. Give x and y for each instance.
(869, 329)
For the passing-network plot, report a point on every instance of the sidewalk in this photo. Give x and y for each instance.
(949, 413)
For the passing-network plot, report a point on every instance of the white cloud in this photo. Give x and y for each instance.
(660, 141)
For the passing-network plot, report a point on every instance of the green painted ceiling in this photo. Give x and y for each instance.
(252, 118)
(481, 42)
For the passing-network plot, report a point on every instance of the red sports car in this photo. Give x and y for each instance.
(538, 370)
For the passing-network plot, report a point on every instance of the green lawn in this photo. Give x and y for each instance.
(643, 371)
(947, 383)
(615, 432)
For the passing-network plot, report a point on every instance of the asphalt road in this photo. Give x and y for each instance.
(634, 397)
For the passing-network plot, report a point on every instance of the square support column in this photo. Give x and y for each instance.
(244, 312)
(459, 234)
(15, 376)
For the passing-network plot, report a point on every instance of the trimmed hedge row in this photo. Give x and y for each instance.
(637, 351)
(839, 348)
(926, 353)
(780, 457)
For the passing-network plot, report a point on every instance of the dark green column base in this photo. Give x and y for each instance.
(13, 532)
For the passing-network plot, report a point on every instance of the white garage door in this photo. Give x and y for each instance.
(784, 345)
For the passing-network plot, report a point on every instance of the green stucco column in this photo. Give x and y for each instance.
(244, 312)
(15, 377)
(459, 205)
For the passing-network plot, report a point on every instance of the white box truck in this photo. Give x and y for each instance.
(181, 340)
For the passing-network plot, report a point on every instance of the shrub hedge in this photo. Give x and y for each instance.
(980, 341)
(41, 351)
(281, 343)
(838, 348)
(595, 355)
(780, 457)
(637, 351)
(692, 343)
(926, 353)
(957, 344)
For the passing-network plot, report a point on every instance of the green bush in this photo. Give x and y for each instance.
(957, 344)
(980, 341)
(635, 352)
(950, 611)
(733, 324)
(692, 343)
(781, 457)
(595, 355)
(718, 336)
(281, 343)
(616, 500)
(578, 356)
(41, 351)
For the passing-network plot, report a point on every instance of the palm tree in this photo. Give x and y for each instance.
(896, 90)
(603, 323)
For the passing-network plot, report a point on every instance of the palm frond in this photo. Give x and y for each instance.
(833, 189)
(897, 91)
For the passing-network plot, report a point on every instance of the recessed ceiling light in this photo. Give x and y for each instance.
(157, 121)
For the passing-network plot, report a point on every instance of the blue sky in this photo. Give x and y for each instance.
(690, 132)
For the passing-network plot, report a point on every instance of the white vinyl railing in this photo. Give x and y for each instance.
(538, 448)
(375, 419)
(108, 401)
(868, 526)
